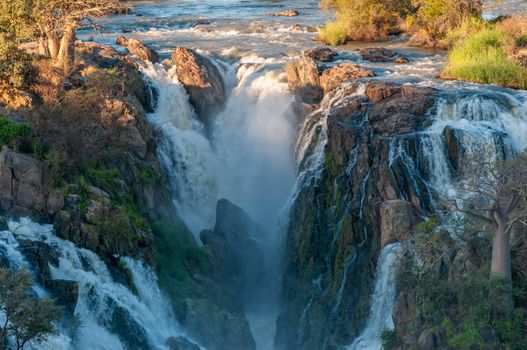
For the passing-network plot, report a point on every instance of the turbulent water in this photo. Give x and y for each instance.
(108, 316)
(382, 300)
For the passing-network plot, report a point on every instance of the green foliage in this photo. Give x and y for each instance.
(438, 17)
(333, 33)
(428, 226)
(512, 330)
(389, 340)
(176, 257)
(15, 64)
(484, 58)
(27, 319)
(10, 131)
(363, 19)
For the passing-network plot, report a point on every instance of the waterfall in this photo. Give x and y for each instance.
(382, 300)
(107, 314)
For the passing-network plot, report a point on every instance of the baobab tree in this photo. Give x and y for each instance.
(495, 194)
(53, 23)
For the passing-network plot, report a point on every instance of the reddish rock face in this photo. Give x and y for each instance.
(333, 78)
(380, 54)
(304, 80)
(138, 48)
(368, 193)
(202, 80)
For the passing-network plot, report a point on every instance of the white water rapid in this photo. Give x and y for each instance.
(108, 316)
(247, 158)
(382, 300)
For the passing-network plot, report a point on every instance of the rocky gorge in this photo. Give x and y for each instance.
(180, 197)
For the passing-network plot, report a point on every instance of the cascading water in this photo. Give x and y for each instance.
(107, 314)
(382, 300)
(247, 158)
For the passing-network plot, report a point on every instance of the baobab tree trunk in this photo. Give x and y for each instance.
(53, 47)
(500, 270)
(42, 47)
(66, 55)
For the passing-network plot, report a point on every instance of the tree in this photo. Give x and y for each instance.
(495, 194)
(26, 318)
(54, 23)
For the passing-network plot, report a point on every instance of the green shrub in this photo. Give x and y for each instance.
(389, 340)
(333, 33)
(483, 58)
(10, 131)
(438, 17)
(15, 64)
(177, 256)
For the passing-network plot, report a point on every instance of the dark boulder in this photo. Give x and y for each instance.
(321, 54)
(215, 328)
(202, 80)
(181, 343)
(380, 54)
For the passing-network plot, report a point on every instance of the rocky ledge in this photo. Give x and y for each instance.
(343, 216)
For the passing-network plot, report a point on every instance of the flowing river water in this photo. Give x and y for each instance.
(256, 153)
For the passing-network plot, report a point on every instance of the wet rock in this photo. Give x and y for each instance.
(334, 264)
(398, 218)
(333, 78)
(201, 22)
(138, 48)
(202, 80)
(66, 292)
(380, 54)
(288, 13)
(428, 340)
(454, 149)
(321, 54)
(216, 329)
(236, 252)
(181, 343)
(304, 81)
(3, 224)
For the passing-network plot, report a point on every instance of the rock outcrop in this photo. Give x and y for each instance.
(380, 54)
(321, 54)
(138, 48)
(202, 80)
(335, 231)
(303, 78)
(287, 13)
(310, 81)
(333, 77)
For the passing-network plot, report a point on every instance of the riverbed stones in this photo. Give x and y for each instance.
(321, 54)
(380, 54)
(287, 13)
(203, 82)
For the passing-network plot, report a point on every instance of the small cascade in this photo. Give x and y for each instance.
(107, 315)
(382, 300)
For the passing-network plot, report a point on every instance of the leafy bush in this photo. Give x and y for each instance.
(15, 64)
(389, 340)
(333, 33)
(364, 19)
(11, 131)
(484, 58)
(176, 257)
(438, 17)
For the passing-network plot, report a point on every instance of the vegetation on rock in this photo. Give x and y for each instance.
(27, 319)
